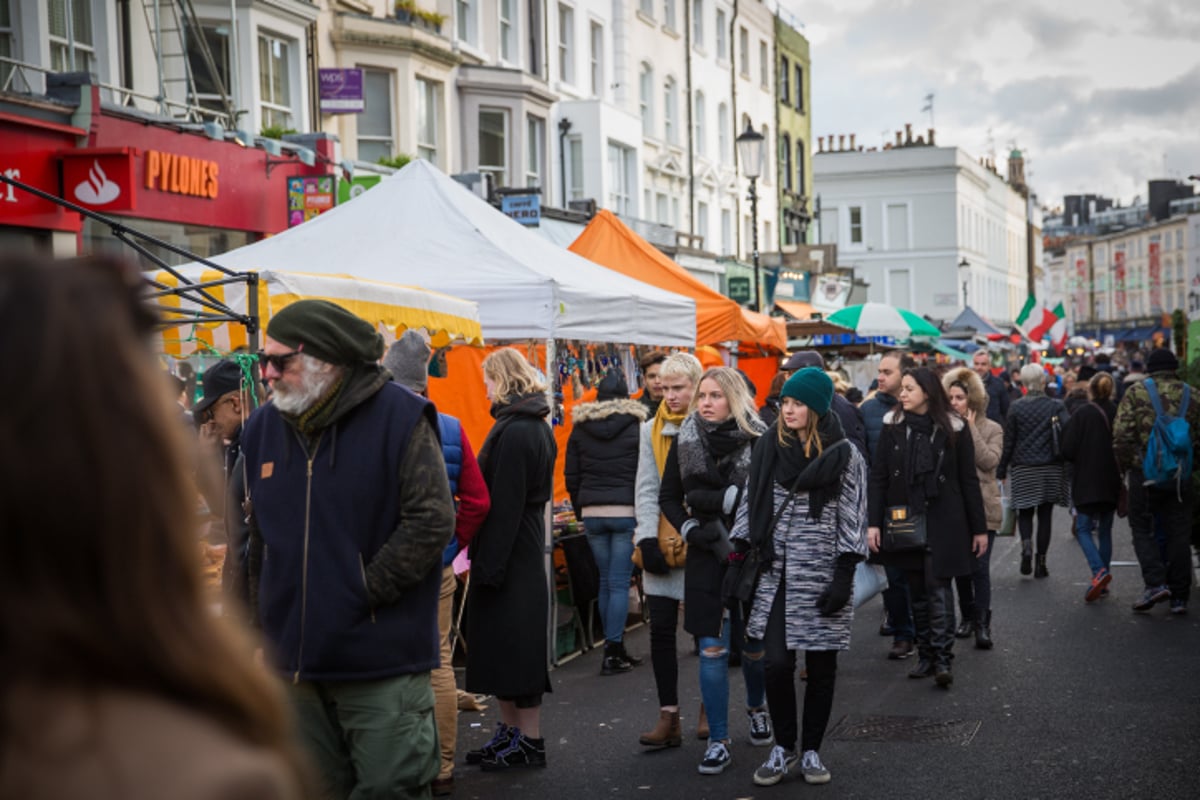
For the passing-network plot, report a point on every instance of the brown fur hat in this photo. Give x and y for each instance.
(977, 398)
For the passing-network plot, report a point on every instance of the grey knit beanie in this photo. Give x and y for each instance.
(408, 361)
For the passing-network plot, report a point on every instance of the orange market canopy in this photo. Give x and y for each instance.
(608, 241)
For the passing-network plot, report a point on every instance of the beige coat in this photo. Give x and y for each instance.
(122, 746)
(989, 443)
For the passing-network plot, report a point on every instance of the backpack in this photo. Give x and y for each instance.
(1168, 459)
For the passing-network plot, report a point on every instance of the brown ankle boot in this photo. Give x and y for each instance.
(702, 724)
(666, 733)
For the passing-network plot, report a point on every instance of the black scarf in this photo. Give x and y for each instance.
(716, 454)
(529, 405)
(920, 460)
(820, 476)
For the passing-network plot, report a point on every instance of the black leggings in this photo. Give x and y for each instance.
(1025, 523)
(664, 619)
(781, 684)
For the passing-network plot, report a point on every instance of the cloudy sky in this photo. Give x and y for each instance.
(1101, 95)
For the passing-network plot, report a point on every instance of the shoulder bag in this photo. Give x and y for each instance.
(905, 530)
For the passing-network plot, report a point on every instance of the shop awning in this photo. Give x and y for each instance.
(608, 241)
(796, 309)
(942, 347)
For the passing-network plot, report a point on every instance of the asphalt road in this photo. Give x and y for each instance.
(1076, 701)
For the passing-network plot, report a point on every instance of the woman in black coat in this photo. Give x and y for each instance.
(507, 602)
(924, 463)
(706, 469)
(1096, 482)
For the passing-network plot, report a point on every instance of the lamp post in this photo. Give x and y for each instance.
(750, 152)
(964, 270)
(564, 127)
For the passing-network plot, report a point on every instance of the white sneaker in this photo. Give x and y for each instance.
(812, 768)
(776, 767)
(761, 734)
(716, 758)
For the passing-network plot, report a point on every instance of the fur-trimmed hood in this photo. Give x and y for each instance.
(977, 397)
(588, 412)
(896, 414)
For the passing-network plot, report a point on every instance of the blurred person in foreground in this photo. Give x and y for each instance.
(116, 680)
(351, 513)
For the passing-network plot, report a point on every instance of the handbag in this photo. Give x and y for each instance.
(903, 531)
(672, 545)
(869, 580)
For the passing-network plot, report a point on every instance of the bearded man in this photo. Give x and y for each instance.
(350, 512)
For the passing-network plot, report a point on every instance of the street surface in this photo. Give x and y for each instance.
(1076, 701)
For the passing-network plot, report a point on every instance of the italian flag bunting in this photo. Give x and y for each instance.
(1023, 317)
(1043, 320)
(1058, 331)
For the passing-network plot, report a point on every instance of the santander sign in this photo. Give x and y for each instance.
(97, 189)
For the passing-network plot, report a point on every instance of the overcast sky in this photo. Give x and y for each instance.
(1101, 95)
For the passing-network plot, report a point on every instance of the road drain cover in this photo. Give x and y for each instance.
(904, 729)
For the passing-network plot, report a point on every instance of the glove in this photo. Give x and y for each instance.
(701, 536)
(837, 593)
(712, 501)
(652, 557)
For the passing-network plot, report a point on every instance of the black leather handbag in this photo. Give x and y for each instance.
(904, 531)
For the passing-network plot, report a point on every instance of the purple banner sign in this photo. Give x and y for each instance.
(341, 91)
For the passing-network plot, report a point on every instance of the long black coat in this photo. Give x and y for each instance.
(952, 518)
(1087, 444)
(508, 600)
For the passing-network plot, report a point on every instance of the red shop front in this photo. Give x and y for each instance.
(207, 196)
(29, 152)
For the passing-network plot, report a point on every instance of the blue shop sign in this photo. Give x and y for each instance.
(524, 208)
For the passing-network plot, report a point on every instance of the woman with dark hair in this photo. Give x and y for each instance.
(116, 678)
(924, 469)
(1095, 480)
(769, 412)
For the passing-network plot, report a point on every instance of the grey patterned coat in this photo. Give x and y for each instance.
(805, 553)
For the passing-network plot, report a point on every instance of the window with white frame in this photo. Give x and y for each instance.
(536, 40)
(785, 160)
(669, 15)
(764, 65)
(829, 226)
(574, 167)
(800, 88)
(274, 81)
(698, 23)
(429, 95)
(566, 43)
(726, 232)
(6, 41)
(723, 132)
(702, 223)
(675, 219)
(800, 166)
(466, 22)
(670, 112)
(535, 150)
(660, 208)
(856, 225)
(493, 144)
(646, 98)
(784, 71)
(744, 51)
(72, 41)
(766, 153)
(722, 36)
(647, 202)
(217, 38)
(767, 242)
(698, 116)
(508, 30)
(621, 165)
(375, 139)
(647, 8)
(597, 60)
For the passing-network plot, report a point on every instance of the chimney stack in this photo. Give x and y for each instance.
(931, 137)
(820, 144)
(908, 133)
(899, 138)
(852, 147)
(841, 142)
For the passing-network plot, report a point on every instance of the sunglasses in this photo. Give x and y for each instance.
(279, 361)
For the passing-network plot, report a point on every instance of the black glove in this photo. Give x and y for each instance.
(706, 501)
(701, 536)
(653, 560)
(837, 593)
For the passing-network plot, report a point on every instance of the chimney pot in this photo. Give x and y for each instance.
(820, 144)
(852, 147)
(908, 133)
(899, 138)
(931, 137)
(841, 142)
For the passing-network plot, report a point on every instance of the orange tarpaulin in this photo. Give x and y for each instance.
(796, 308)
(609, 242)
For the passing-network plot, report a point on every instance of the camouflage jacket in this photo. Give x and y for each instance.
(1135, 418)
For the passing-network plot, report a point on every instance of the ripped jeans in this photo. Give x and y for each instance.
(714, 679)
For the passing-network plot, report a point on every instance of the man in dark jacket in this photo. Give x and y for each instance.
(997, 392)
(600, 473)
(1172, 506)
(652, 391)
(848, 413)
(351, 513)
(895, 598)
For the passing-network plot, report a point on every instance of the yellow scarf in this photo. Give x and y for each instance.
(660, 443)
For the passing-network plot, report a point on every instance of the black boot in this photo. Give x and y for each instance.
(624, 654)
(923, 669)
(613, 663)
(966, 627)
(1040, 570)
(942, 675)
(983, 630)
(1026, 557)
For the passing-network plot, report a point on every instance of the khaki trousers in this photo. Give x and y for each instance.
(445, 690)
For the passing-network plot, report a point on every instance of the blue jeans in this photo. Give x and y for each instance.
(1101, 525)
(714, 678)
(895, 600)
(611, 540)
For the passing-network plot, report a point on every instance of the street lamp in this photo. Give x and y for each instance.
(964, 270)
(750, 152)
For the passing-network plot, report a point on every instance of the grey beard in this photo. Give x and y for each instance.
(315, 380)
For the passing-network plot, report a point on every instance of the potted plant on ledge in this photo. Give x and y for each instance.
(407, 11)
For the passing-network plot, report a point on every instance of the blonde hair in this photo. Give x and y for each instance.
(840, 384)
(737, 394)
(1100, 387)
(512, 375)
(682, 365)
(977, 399)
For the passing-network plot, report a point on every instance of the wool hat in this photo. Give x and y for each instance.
(220, 379)
(326, 331)
(812, 387)
(408, 361)
(803, 358)
(612, 387)
(1162, 360)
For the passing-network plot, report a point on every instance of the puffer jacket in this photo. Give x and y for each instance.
(602, 453)
(1028, 440)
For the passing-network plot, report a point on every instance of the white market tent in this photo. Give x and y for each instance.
(420, 227)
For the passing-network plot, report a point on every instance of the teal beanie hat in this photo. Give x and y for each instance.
(812, 387)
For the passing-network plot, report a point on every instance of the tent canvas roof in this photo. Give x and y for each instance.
(420, 227)
(608, 241)
(969, 318)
